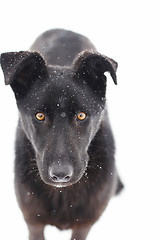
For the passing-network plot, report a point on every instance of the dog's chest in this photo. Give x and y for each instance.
(62, 208)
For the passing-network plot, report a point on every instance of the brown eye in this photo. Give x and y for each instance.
(40, 116)
(81, 116)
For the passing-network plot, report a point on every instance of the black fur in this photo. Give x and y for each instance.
(65, 170)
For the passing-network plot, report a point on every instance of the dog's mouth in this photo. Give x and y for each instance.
(62, 179)
(61, 174)
(61, 185)
(49, 181)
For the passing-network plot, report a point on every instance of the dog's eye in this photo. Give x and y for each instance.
(40, 116)
(81, 116)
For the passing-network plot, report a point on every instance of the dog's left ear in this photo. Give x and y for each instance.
(22, 69)
(91, 66)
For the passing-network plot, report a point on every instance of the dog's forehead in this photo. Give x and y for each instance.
(64, 90)
(59, 90)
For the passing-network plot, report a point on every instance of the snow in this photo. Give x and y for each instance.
(126, 31)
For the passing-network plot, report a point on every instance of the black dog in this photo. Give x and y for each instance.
(65, 170)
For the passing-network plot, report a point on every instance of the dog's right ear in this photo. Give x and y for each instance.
(22, 69)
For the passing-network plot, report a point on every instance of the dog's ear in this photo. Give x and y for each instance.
(22, 69)
(91, 66)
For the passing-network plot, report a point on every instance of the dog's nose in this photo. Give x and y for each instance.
(60, 174)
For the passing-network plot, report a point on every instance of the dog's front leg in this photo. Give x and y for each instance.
(36, 232)
(80, 233)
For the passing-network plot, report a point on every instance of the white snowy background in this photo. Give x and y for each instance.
(129, 32)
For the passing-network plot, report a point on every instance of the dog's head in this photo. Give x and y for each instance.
(61, 109)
